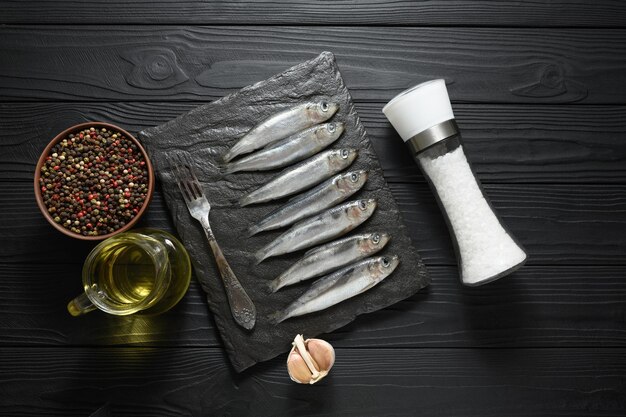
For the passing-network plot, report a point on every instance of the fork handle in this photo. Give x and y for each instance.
(241, 306)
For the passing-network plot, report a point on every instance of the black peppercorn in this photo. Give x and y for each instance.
(82, 174)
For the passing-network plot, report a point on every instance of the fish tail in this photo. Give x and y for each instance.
(228, 156)
(253, 230)
(246, 200)
(273, 286)
(237, 149)
(232, 153)
(261, 255)
(278, 317)
(228, 169)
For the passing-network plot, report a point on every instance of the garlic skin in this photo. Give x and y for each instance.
(310, 360)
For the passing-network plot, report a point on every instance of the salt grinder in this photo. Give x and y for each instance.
(485, 249)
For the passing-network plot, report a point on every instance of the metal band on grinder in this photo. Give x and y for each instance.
(433, 135)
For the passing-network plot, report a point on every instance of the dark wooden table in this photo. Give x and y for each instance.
(540, 95)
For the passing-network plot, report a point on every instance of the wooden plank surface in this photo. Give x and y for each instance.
(542, 306)
(364, 382)
(568, 13)
(539, 94)
(557, 224)
(122, 63)
(506, 143)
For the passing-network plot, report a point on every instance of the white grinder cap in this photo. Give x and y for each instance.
(419, 108)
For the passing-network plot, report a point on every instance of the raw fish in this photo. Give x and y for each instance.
(325, 195)
(339, 286)
(302, 176)
(281, 125)
(289, 150)
(322, 227)
(331, 256)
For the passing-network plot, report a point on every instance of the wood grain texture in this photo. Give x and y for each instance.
(555, 172)
(123, 63)
(363, 382)
(567, 13)
(506, 143)
(557, 224)
(535, 307)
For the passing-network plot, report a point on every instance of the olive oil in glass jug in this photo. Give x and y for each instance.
(144, 271)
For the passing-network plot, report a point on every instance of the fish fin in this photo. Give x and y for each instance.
(312, 251)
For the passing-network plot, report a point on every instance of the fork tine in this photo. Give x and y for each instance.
(188, 179)
(180, 180)
(193, 182)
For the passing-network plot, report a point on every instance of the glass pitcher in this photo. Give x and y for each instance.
(144, 271)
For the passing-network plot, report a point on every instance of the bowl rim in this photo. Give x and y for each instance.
(46, 152)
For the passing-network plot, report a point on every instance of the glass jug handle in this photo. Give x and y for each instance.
(80, 305)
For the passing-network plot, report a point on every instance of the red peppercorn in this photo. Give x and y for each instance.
(78, 181)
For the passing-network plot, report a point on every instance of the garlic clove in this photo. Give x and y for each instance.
(298, 371)
(309, 360)
(322, 353)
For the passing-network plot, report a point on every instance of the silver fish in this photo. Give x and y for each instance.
(289, 150)
(320, 228)
(281, 125)
(327, 258)
(325, 195)
(339, 286)
(302, 176)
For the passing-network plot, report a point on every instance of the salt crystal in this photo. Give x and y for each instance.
(485, 248)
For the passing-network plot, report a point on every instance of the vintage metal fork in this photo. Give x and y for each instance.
(241, 306)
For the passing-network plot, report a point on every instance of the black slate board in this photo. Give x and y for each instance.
(206, 133)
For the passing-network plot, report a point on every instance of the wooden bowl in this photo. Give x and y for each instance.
(75, 129)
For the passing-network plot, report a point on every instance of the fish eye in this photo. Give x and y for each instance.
(331, 127)
(376, 238)
(362, 205)
(385, 262)
(354, 177)
(344, 153)
(324, 106)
